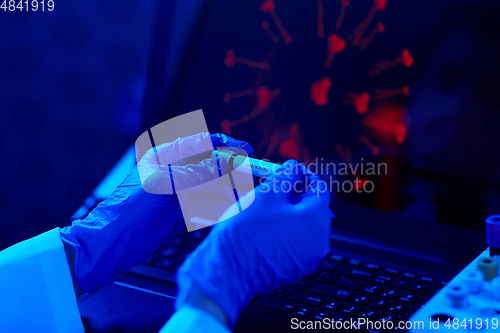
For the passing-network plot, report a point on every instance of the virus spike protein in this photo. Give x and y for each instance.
(231, 59)
(406, 59)
(335, 45)
(270, 7)
(319, 91)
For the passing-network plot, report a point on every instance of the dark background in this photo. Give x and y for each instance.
(73, 81)
(71, 86)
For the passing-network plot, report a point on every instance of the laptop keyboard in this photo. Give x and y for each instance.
(342, 288)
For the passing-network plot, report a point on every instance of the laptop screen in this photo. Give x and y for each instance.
(395, 112)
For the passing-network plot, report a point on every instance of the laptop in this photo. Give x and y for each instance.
(392, 247)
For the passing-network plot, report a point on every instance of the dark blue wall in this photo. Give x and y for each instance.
(71, 83)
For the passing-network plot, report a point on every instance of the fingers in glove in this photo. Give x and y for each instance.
(222, 140)
(294, 182)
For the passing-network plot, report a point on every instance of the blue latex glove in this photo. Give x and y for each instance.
(279, 238)
(127, 227)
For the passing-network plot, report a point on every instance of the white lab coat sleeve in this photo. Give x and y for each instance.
(192, 320)
(36, 288)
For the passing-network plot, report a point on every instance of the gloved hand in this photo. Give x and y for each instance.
(279, 238)
(127, 227)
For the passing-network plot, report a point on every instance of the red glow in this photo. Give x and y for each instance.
(226, 127)
(359, 31)
(335, 45)
(360, 101)
(367, 40)
(231, 59)
(399, 130)
(406, 92)
(360, 183)
(380, 27)
(406, 59)
(375, 149)
(289, 148)
(320, 89)
(269, 7)
(272, 143)
(321, 30)
(247, 117)
(380, 4)
(343, 4)
(345, 153)
(265, 96)
(265, 26)
(230, 95)
(384, 93)
(264, 99)
(388, 129)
